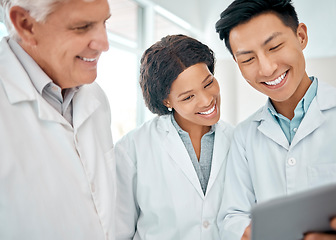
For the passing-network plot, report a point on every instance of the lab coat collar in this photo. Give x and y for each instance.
(326, 96)
(324, 100)
(84, 105)
(175, 148)
(17, 84)
(19, 88)
(220, 151)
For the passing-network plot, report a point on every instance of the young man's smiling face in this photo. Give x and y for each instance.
(270, 58)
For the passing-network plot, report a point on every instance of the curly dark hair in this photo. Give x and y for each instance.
(241, 11)
(164, 61)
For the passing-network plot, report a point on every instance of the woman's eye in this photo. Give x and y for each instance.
(187, 98)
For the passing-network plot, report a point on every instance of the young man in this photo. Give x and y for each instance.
(288, 145)
(56, 168)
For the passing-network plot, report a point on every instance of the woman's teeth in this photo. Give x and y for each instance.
(209, 111)
(277, 81)
(88, 59)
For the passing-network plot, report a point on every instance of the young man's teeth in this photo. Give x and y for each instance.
(277, 81)
(209, 111)
(87, 59)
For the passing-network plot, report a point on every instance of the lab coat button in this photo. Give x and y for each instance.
(291, 161)
(294, 129)
(206, 224)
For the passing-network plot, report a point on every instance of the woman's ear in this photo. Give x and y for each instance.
(23, 23)
(302, 35)
(166, 103)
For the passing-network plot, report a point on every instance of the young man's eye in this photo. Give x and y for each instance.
(277, 46)
(248, 60)
(209, 83)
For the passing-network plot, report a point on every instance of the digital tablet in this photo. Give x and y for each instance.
(290, 217)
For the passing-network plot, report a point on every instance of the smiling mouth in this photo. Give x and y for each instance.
(277, 80)
(209, 111)
(87, 59)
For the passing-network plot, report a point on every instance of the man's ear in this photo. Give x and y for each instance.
(23, 23)
(234, 59)
(302, 35)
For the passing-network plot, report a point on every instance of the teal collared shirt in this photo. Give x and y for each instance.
(203, 165)
(289, 127)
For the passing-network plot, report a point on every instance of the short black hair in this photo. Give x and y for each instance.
(164, 61)
(241, 11)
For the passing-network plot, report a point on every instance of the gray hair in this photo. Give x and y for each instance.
(38, 9)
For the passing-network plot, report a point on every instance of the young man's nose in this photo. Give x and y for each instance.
(266, 66)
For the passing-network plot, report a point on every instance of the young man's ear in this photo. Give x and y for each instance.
(302, 35)
(234, 59)
(23, 23)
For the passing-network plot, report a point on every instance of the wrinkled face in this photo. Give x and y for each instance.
(195, 98)
(269, 56)
(71, 40)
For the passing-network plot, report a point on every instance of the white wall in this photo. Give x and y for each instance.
(188, 10)
(322, 68)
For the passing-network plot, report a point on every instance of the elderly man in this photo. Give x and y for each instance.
(56, 166)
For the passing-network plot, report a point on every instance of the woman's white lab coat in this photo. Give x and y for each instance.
(159, 193)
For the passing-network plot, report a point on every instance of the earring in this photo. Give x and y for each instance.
(170, 109)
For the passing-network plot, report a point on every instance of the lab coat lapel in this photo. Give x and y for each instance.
(47, 113)
(271, 129)
(312, 120)
(178, 153)
(84, 105)
(220, 151)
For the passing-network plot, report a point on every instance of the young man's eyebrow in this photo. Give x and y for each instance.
(242, 53)
(206, 78)
(274, 35)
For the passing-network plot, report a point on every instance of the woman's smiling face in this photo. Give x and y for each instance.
(195, 97)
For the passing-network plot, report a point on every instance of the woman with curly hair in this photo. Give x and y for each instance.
(171, 169)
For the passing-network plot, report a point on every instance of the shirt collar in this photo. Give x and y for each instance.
(39, 78)
(304, 102)
(181, 131)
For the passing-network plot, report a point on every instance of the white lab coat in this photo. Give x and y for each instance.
(159, 193)
(56, 181)
(263, 166)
